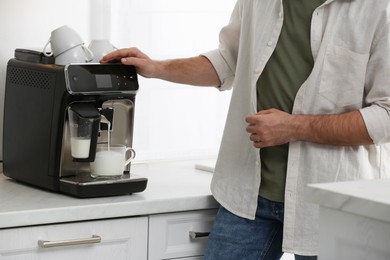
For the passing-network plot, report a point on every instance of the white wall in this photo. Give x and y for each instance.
(27, 24)
(172, 121)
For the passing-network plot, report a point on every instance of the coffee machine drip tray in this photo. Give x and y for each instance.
(84, 186)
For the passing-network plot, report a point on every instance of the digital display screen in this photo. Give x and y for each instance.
(99, 79)
(103, 81)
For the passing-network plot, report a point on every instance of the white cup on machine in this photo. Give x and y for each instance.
(67, 47)
(100, 48)
(78, 54)
(110, 161)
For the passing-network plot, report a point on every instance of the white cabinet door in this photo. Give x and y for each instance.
(345, 235)
(169, 234)
(120, 239)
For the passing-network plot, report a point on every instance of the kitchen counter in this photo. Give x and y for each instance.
(354, 219)
(368, 198)
(172, 187)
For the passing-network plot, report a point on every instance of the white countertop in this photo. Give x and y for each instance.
(172, 186)
(368, 198)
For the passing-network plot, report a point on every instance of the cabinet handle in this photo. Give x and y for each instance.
(72, 242)
(198, 235)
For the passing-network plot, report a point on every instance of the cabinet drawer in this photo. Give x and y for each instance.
(104, 239)
(169, 234)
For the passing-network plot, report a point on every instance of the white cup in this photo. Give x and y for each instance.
(61, 40)
(110, 161)
(77, 54)
(100, 48)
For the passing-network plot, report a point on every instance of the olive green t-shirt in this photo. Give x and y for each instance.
(287, 69)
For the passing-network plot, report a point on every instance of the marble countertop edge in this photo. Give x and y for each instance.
(345, 196)
(34, 217)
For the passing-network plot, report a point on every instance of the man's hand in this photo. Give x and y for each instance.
(270, 128)
(146, 67)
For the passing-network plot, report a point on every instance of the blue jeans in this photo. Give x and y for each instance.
(236, 238)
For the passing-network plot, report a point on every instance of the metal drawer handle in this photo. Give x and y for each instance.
(198, 235)
(72, 242)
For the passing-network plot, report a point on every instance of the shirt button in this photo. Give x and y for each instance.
(281, 14)
(269, 43)
(257, 163)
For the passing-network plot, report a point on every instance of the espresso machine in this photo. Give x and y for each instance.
(37, 144)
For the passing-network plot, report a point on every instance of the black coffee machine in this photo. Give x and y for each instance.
(36, 139)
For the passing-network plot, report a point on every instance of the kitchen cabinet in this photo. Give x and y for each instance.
(354, 219)
(105, 239)
(168, 236)
(348, 236)
(179, 234)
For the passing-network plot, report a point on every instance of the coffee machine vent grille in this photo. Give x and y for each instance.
(28, 78)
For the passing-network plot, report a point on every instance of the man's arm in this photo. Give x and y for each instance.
(273, 127)
(196, 71)
(347, 129)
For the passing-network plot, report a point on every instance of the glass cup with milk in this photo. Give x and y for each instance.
(110, 161)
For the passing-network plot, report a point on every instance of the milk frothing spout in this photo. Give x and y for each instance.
(83, 123)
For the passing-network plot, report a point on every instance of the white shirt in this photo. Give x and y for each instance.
(351, 47)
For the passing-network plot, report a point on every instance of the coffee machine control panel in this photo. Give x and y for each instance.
(93, 78)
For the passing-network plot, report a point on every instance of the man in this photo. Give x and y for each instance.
(311, 89)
